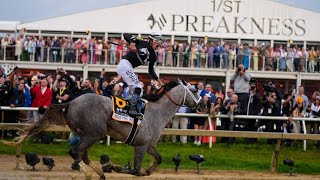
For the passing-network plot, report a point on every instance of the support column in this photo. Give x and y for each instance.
(255, 42)
(106, 36)
(305, 45)
(239, 41)
(272, 43)
(189, 40)
(172, 39)
(228, 82)
(89, 35)
(85, 71)
(288, 44)
(298, 83)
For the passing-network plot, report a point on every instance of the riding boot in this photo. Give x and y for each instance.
(133, 109)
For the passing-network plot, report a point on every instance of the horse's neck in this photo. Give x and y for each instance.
(169, 109)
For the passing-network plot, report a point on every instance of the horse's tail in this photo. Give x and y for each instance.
(54, 115)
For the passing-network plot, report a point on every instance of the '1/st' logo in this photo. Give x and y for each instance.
(160, 22)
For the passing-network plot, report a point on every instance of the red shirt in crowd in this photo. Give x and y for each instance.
(41, 98)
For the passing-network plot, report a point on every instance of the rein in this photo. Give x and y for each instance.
(171, 99)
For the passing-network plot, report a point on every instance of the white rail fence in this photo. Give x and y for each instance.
(7, 108)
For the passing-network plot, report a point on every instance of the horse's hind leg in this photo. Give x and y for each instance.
(139, 152)
(153, 152)
(80, 149)
(94, 166)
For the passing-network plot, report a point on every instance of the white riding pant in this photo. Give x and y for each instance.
(125, 70)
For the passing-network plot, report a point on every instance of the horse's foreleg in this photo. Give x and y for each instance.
(139, 152)
(153, 152)
(94, 166)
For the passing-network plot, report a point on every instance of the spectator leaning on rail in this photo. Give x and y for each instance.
(230, 107)
(182, 122)
(241, 79)
(270, 108)
(42, 96)
(254, 107)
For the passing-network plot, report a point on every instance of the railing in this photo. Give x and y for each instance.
(184, 115)
(165, 59)
(278, 136)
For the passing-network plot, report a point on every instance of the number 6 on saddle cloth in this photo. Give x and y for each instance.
(120, 108)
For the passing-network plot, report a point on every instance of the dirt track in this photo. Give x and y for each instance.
(63, 171)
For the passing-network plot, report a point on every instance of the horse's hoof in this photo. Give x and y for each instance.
(147, 173)
(88, 176)
(135, 173)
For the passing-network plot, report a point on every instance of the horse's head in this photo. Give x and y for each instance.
(190, 96)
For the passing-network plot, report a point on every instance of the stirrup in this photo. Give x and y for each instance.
(136, 115)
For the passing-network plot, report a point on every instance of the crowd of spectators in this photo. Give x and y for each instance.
(242, 98)
(198, 54)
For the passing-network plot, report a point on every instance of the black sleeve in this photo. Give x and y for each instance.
(153, 59)
(100, 83)
(129, 38)
(224, 109)
(238, 110)
(72, 84)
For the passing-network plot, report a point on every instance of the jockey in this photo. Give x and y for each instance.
(141, 52)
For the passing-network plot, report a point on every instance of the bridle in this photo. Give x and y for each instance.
(186, 90)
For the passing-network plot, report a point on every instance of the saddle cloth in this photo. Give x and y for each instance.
(120, 108)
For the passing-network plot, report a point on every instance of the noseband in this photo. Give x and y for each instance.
(186, 90)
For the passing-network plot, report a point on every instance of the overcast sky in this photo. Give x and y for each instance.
(31, 10)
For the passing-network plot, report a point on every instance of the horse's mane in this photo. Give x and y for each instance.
(160, 92)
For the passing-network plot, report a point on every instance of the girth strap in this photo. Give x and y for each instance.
(133, 131)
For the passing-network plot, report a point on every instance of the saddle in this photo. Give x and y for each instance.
(120, 109)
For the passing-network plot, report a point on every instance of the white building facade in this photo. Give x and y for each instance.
(250, 21)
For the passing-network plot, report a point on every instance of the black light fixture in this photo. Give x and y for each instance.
(176, 160)
(48, 162)
(106, 164)
(197, 158)
(32, 159)
(289, 163)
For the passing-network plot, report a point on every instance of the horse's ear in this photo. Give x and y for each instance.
(179, 81)
(184, 82)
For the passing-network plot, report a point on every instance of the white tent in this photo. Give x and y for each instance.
(8, 25)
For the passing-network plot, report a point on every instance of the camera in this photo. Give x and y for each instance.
(60, 71)
(78, 78)
(268, 86)
(239, 69)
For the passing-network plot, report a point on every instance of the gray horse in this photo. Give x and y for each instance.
(89, 116)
